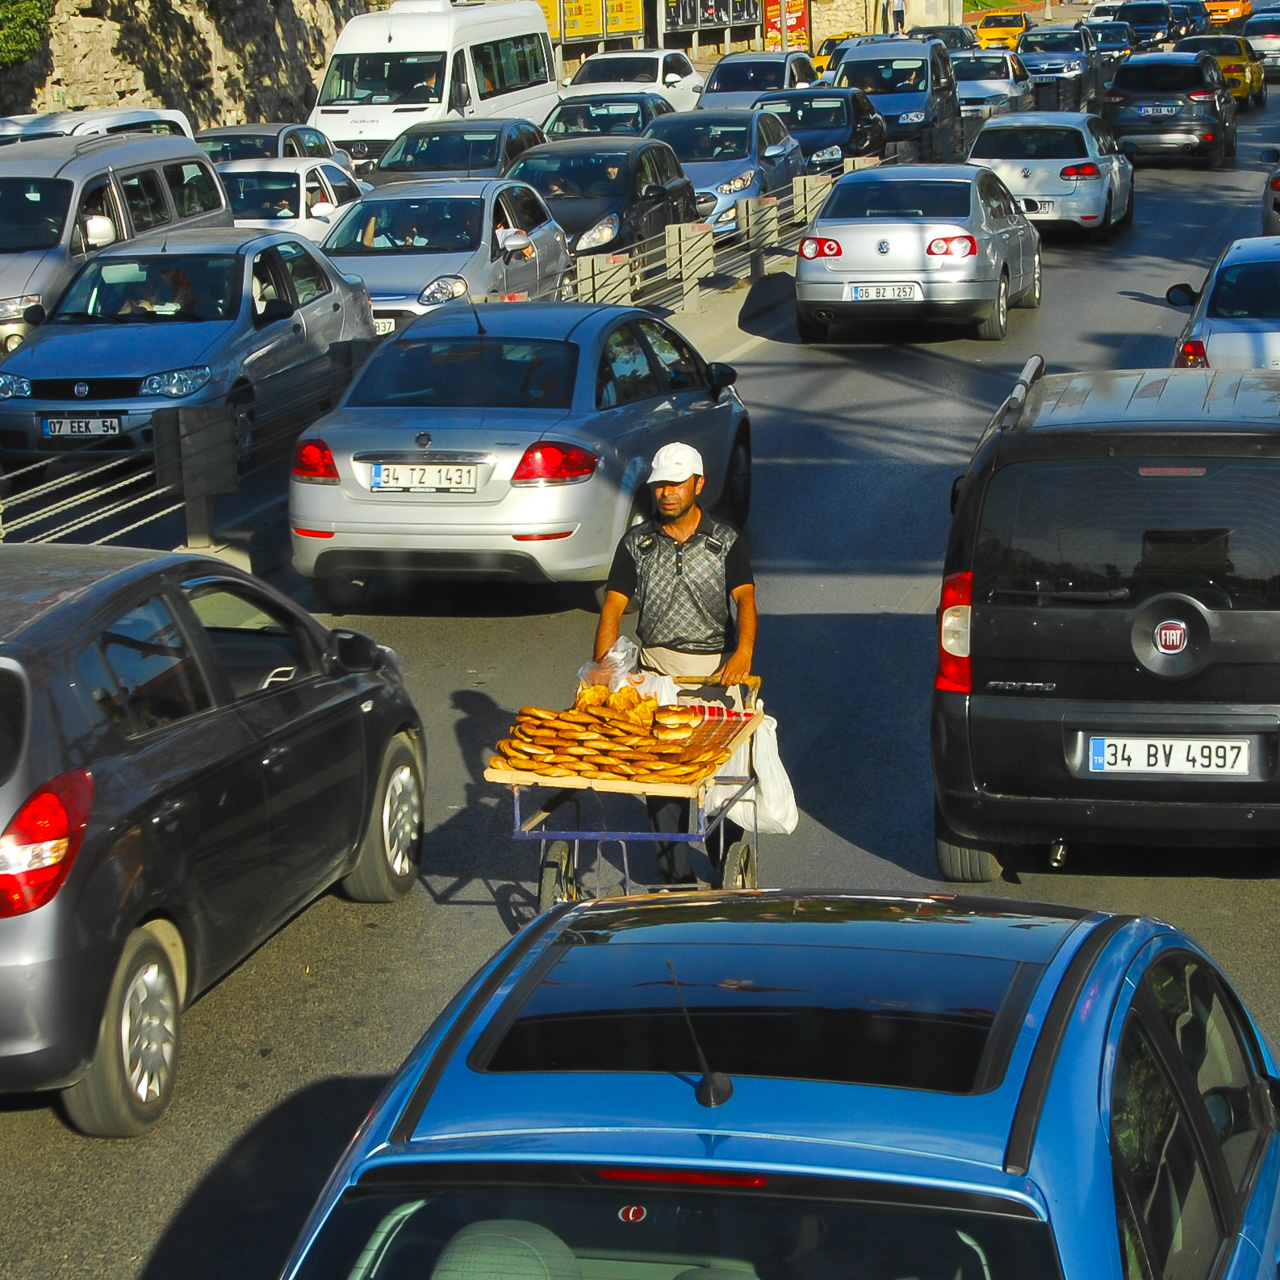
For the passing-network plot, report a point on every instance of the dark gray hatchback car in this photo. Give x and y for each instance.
(186, 759)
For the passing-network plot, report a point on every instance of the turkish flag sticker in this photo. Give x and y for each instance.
(633, 1213)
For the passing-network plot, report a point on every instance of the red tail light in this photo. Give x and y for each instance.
(41, 841)
(1192, 355)
(1201, 95)
(1233, 69)
(1275, 184)
(955, 668)
(1086, 170)
(549, 463)
(1114, 95)
(689, 1177)
(313, 462)
(952, 247)
(819, 248)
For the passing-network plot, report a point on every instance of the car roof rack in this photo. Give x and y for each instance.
(1009, 414)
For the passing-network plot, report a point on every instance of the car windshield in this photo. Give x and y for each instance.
(1158, 77)
(617, 71)
(1143, 14)
(222, 148)
(448, 151)
(1262, 27)
(260, 196)
(1246, 291)
(905, 198)
(1111, 33)
(695, 141)
(1207, 526)
(573, 175)
(625, 118)
(33, 212)
(373, 79)
(1001, 20)
(439, 224)
(745, 77)
(154, 287)
(884, 75)
(948, 35)
(979, 67)
(1051, 42)
(1032, 142)
(828, 44)
(468, 373)
(1218, 46)
(810, 112)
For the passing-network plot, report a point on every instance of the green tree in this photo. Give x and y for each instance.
(24, 29)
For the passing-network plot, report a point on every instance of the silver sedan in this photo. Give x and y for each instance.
(943, 241)
(418, 245)
(507, 442)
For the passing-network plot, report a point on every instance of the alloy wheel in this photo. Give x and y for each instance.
(401, 818)
(149, 1032)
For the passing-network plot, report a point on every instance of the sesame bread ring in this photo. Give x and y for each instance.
(536, 713)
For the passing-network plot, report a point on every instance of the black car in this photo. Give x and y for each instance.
(955, 38)
(1116, 41)
(1151, 20)
(829, 124)
(609, 193)
(1173, 104)
(267, 141)
(1183, 23)
(605, 114)
(473, 148)
(1109, 654)
(186, 759)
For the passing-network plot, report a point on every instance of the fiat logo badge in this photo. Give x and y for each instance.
(81, 389)
(882, 247)
(423, 439)
(1171, 636)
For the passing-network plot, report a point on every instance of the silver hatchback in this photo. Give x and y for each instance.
(941, 241)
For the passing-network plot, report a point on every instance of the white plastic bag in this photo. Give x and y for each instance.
(771, 807)
(615, 668)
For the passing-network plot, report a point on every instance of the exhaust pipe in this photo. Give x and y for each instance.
(1188, 148)
(1058, 854)
(824, 317)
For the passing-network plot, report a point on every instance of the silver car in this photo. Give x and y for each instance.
(944, 241)
(215, 317)
(418, 245)
(507, 442)
(991, 81)
(1235, 315)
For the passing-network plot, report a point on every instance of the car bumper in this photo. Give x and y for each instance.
(1084, 208)
(1187, 141)
(825, 300)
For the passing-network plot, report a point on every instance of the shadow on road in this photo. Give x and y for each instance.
(243, 1217)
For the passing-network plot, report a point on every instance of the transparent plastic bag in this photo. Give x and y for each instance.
(615, 668)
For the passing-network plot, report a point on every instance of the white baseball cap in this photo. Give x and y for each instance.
(674, 464)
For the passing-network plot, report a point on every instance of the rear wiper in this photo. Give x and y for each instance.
(1116, 593)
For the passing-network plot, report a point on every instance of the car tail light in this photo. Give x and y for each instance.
(819, 248)
(955, 669)
(1233, 69)
(313, 462)
(1275, 184)
(1192, 355)
(1201, 95)
(1209, 137)
(314, 533)
(1114, 95)
(41, 840)
(550, 463)
(952, 247)
(688, 1177)
(1086, 170)
(541, 537)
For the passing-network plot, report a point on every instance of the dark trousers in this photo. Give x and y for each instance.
(899, 19)
(669, 814)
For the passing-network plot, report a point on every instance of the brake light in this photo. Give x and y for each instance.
(1086, 170)
(549, 463)
(819, 248)
(313, 462)
(314, 533)
(955, 668)
(1192, 355)
(41, 841)
(1114, 95)
(1275, 184)
(1209, 137)
(1201, 95)
(1233, 69)
(952, 247)
(687, 1177)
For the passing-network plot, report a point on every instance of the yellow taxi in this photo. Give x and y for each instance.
(1241, 67)
(1223, 11)
(822, 59)
(1001, 30)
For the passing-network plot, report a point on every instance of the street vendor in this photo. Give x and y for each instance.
(689, 573)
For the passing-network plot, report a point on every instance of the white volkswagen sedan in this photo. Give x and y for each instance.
(297, 194)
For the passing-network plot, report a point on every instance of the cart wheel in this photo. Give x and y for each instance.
(739, 867)
(553, 884)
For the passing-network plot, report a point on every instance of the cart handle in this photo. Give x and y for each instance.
(750, 687)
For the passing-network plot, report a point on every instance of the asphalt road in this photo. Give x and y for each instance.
(856, 445)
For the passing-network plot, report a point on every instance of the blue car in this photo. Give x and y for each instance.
(779, 1086)
(829, 124)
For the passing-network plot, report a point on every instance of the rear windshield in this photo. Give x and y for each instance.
(1127, 529)
(468, 373)
(695, 141)
(1040, 142)
(811, 112)
(446, 224)
(1218, 46)
(1111, 33)
(11, 722)
(884, 75)
(1143, 14)
(222, 148)
(1158, 77)
(981, 68)
(617, 70)
(449, 1223)
(33, 212)
(1268, 26)
(745, 77)
(447, 152)
(933, 198)
(1051, 42)
(569, 118)
(1001, 20)
(574, 175)
(949, 36)
(1246, 290)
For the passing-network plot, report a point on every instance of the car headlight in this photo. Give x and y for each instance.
(604, 231)
(11, 386)
(177, 382)
(827, 154)
(12, 308)
(911, 117)
(443, 289)
(740, 183)
(1160, 35)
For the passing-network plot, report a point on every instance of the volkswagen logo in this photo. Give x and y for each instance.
(1171, 636)
(1026, 173)
(81, 389)
(423, 439)
(882, 247)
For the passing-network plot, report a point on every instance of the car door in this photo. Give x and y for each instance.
(314, 192)
(206, 818)
(274, 348)
(1002, 227)
(320, 309)
(1021, 88)
(1113, 162)
(634, 412)
(514, 273)
(946, 101)
(306, 719)
(550, 249)
(345, 191)
(650, 204)
(291, 144)
(685, 92)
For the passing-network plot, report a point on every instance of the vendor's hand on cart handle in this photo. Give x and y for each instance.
(735, 670)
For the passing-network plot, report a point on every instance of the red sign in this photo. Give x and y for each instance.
(633, 1213)
(797, 25)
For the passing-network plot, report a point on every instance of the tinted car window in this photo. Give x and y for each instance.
(572, 117)
(154, 288)
(745, 77)
(343, 188)
(33, 212)
(1050, 142)
(12, 718)
(260, 196)
(1158, 77)
(1051, 42)
(193, 189)
(674, 355)
(981, 67)
(567, 176)
(1218, 46)
(448, 151)
(885, 75)
(1265, 26)
(616, 70)
(314, 143)
(527, 208)
(239, 146)
(145, 200)
(625, 374)
(1142, 14)
(309, 279)
(441, 225)
(695, 140)
(905, 199)
(258, 645)
(1246, 290)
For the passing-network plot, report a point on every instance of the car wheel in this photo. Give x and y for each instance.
(340, 593)
(387, 864)
(735, 501)
(1102, 232)
(810, 330)
(567, 290)
(1029, 300)
(996, 325)
(554, 883)
(962, 863)
(739, 871)
(130, 1078)
(1262, 92)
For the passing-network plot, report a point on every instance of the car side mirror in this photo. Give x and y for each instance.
(34, 316)
(653, 192)
(344, 159)
(355, 651)
(309, 96)
(1270, 156)
(776, 150)
(511, 240)
(567, 81)
(1129, 148)
(99, 231)
(323, 209)
(1181, 295)
(276, 309)
(955, 492)
(671, 79)
(720, 376)
(697, 88)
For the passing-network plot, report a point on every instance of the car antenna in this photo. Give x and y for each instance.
(714, 1088)
(480, 329)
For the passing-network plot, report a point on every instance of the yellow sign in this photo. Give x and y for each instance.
(583, 19)
(551, 8)
(625, 17)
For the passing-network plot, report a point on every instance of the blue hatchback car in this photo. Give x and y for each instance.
(771, 1086)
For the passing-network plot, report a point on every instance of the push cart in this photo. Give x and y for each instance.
(562, 873)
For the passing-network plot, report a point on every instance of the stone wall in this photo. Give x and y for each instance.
(831, 17)
(220, 61)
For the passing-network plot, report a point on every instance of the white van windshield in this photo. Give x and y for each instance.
(33, 212)
(377, 78)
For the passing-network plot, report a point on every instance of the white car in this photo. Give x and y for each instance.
(1104, 10)
(991, 81)
(664, 71)
(1060, 166)
(289, 194)
(1235, 315)
(58, 124)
